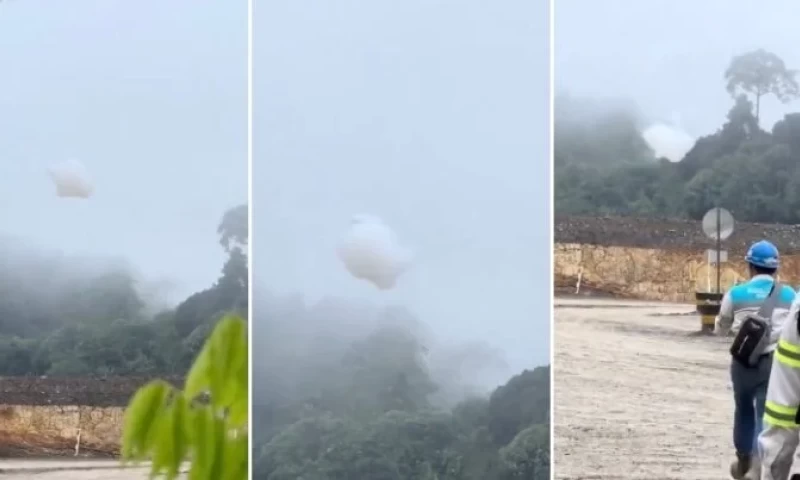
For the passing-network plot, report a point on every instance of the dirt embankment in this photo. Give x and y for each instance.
(657, 259)
(51, 415)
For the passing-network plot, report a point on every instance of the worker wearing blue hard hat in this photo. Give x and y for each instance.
(755, 311)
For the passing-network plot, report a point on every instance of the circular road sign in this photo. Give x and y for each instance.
(725, 223)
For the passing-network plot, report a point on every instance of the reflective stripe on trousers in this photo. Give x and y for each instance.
(780, 415)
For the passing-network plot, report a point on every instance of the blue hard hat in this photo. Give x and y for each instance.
(762, 254)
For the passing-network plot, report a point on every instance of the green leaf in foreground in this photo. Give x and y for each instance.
(141, 426)
(206, 422)
(172, 444)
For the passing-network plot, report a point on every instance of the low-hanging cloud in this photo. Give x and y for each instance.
(668, 141)
(47, 276)
(300, 346)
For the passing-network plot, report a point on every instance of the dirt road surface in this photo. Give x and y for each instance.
(69, 470)
(637, 396)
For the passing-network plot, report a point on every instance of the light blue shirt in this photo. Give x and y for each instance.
(746, 298)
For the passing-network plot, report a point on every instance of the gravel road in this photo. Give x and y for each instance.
(636, 395)
(19, 469)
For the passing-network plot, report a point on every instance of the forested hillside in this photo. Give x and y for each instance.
(58, 317)
(342, 394)
(604, 166)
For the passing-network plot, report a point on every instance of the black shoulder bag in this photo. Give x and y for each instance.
(753, 337)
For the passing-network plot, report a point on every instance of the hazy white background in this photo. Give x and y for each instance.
(669, 56)
(430, 114)
(151, 97)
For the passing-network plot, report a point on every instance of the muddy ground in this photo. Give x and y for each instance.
(636, 395)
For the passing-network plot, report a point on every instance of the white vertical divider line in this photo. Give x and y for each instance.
(250, 236)
(551, 86)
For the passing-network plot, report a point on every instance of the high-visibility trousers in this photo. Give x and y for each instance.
(779, 440)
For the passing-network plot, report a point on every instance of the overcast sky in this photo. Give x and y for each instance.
(430, 114)
(670, 55)
(151, 96)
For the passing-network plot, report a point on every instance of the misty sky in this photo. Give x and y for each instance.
(670, 55)
(151, 96)
(430, 114)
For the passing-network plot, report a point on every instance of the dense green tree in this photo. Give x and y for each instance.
(528, 454)
(760, 73)
(233, 229)
(360, 404)
(518, 404)
(229, 293)
(751, 172)
(55, 321)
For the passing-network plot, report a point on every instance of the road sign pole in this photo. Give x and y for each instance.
(719, 249)
(718, 225)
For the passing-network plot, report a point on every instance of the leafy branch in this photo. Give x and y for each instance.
(205, 423)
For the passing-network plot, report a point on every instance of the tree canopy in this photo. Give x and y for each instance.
(58, 317)
(760, 73)
(750, 171)
(334, 401)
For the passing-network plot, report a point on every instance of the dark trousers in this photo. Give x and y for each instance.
(749, 395)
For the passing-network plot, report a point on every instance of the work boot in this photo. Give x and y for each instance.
(754, 473)
(741, 466)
